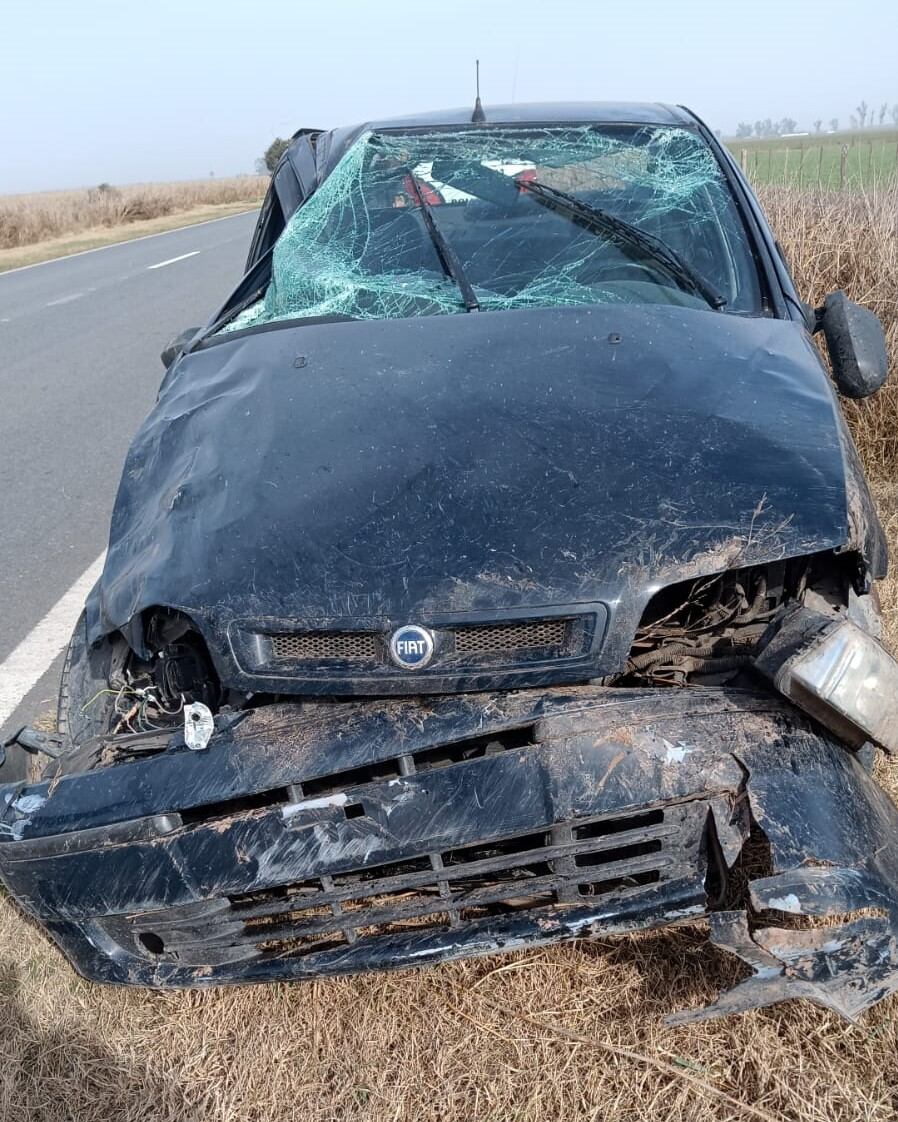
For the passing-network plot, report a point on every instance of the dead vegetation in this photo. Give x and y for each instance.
(572, 1032)
(850, 242)
(27, 219)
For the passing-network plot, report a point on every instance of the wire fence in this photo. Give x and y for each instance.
(845, 165)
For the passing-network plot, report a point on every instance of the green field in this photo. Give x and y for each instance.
(850, 160)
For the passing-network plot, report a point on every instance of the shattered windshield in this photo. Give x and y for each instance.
(481, 219)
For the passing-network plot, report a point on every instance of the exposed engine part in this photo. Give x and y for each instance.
(183, 670)
(151, 694)
(706, 631)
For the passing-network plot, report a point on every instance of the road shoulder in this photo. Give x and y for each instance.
(102, 236)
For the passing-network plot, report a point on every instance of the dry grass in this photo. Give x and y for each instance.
(448, 1043)
(851, 242)
(573, 1032)
(98, 236)
(27, 219)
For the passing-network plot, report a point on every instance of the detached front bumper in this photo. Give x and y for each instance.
(338, 838)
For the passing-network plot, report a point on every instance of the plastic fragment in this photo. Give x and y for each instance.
(28, 804)
(199, 725)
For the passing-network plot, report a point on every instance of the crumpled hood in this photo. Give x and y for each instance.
(385, 469)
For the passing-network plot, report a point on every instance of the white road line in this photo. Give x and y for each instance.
(23, 667)
(64, 300)
(172, 260)
(127, 241)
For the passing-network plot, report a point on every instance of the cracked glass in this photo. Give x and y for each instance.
(492, 218)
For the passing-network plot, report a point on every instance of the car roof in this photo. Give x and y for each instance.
(544, 112)
(333, 144)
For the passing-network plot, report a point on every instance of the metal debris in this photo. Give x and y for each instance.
(199, 724)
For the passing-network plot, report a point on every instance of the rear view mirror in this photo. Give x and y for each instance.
(856, 345)
(178, 346)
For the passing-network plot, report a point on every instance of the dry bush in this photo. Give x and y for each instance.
(849, 241)
(885, 495)
(454, 1042)
(26, 219)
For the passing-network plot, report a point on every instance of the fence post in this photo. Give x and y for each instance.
(743, 160)
(843, 157)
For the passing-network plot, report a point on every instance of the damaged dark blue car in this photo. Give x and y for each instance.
(495, 568)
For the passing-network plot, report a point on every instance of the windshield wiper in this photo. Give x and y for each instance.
(447, 255)
(594, 218)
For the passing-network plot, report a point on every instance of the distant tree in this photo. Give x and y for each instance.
(261, 166)
(103, 192)
(853, 120)
(861, 111)
(883, 109)
(818, 125)
(787, 124)
(759, 128)
(743, 129)
(274, 151)
(895, 113)
(834, 124)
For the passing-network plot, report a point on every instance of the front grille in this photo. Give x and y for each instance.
(550, 637)
(556, 868)
(550, 634)
(315, 646)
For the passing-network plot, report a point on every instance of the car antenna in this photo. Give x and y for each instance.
(478, 117)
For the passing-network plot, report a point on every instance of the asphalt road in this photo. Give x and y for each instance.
(79, 368)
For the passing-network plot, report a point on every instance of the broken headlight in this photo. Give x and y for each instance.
(837, 673)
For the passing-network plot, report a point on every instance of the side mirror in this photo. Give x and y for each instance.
(856, 345)
(178, 346)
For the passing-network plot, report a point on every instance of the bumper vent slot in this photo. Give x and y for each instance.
(446, 755)
(557, 868)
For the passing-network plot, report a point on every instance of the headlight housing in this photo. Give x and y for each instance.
(838, 673)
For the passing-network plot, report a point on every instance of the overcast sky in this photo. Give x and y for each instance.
(123, 92)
